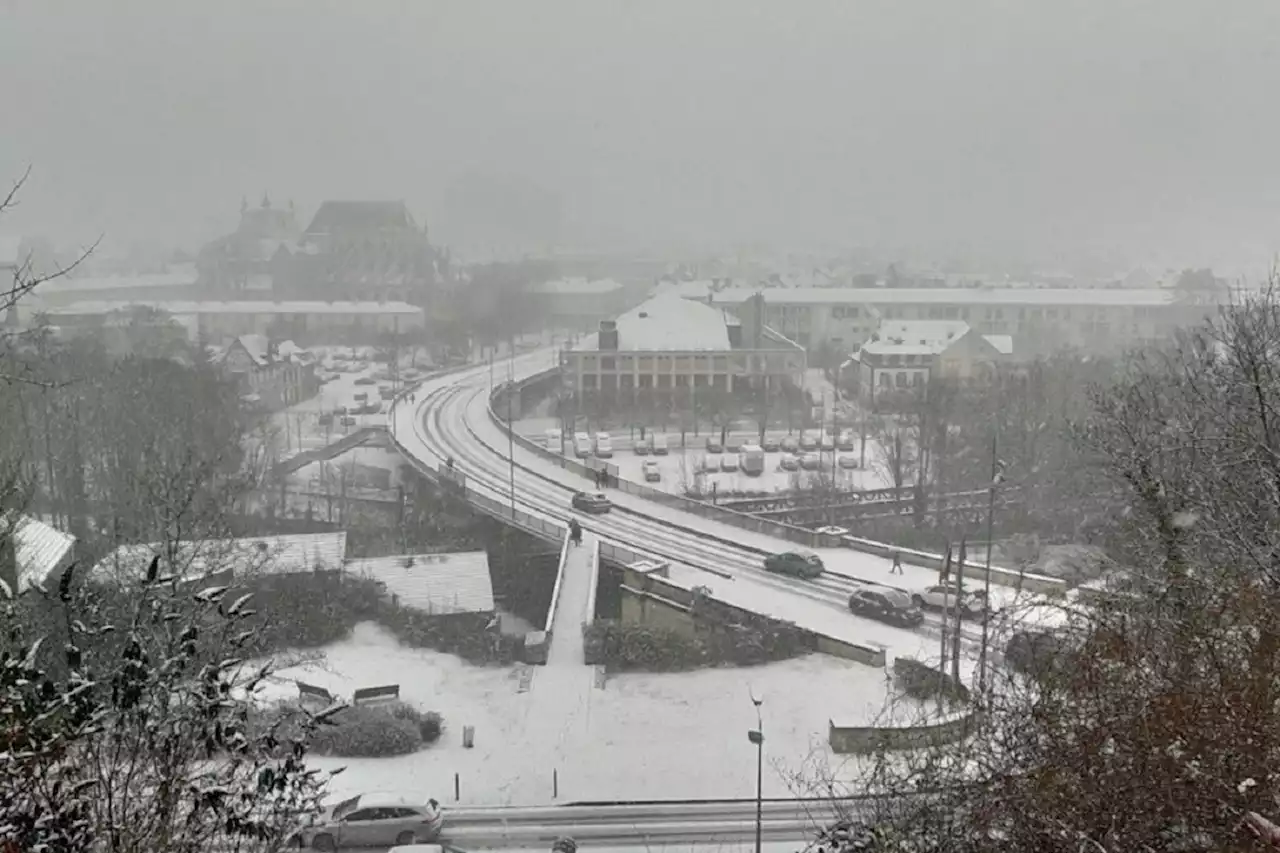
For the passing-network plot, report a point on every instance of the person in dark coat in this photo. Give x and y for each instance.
(575, 532)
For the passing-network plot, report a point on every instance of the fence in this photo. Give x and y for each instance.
(555, 590)
(778, 530)
(594, 562)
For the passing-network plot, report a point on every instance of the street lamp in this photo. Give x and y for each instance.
(756, 736)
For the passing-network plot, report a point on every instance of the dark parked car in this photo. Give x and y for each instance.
(592, 504)
(770, 444)
(366, 380)
(886, 605)
(714, 445)
(794, 564)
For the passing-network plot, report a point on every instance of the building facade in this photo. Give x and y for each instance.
(1098, 319)
(247, 262)
(307, 323)
(669, 354)
(894, 368)
(270, 376)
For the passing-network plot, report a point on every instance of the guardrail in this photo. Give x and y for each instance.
(802, 536)
(594, 562)
(861, 740)
(555, 590)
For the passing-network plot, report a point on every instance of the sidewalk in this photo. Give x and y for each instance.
(575, 589)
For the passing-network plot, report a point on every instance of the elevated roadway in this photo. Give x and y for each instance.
(449, 418)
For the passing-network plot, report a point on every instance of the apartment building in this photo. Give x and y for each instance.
(1094, 318)
(895, 366)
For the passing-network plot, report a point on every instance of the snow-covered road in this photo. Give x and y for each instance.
(449, 418)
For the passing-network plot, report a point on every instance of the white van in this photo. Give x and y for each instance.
(553, 440)
(581, 445)
(753, 460)
(604, 445)
(658, 443)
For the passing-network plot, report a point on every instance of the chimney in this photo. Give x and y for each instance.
(609, 335)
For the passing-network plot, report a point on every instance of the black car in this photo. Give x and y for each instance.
(794, 564)
(886, 605)
(592, 504)
(714, 445)
(366, 380)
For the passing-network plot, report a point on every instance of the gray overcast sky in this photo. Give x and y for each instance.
(1051, 127)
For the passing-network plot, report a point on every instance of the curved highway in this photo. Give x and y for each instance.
(447, 417)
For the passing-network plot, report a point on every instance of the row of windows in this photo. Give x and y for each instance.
(708, 364)
(590, 381)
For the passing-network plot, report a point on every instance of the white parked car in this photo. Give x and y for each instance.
(604, 445)
(787, 462)
(809, 441)
(828, 442)
(811, 461)
(652, 473)
(729, 462)
(848, 462)
(581, 445)
(942, 596)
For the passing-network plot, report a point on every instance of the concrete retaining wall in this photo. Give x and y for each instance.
(861, 740)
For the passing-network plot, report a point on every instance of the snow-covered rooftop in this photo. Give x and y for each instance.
(434, 583)
(39, 550)
(263, 307)
(185, 278)
(289, 554)
(915, 336)
(950, 296)
(668, 323)
(578, 286)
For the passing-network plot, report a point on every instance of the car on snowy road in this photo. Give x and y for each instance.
(795, 564)
(373, 820)
(592, 504)
(652, 473)
(885, 604)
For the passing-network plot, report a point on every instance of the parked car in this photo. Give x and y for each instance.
(885, 604)
(604, 445)
(652, 473)
(733, 445)
(386, 392)
(808, 441)
(708, 464)
(844, 442)
(770, 444)
(794, 564)
(811, 461)
(847, 462)
(366, 380)
(787, 462)
(552, 440)
(373, 820)
(942, 597)
(581, 445)
(828, 442)
(789, 444)
(714, 445)
(348, 420)
(325, 419)
(658, 444)
(592, 504)
(641, 447)
(729, 462)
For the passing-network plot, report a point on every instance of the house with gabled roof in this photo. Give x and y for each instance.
(270, 375)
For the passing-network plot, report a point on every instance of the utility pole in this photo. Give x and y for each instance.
(835, 473)
(996, 477)
(511, 427)
(955, 646)
(756, 736)
(946, 580)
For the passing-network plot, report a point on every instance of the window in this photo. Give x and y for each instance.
(902, 379)
(607, 363)
(363, 814)
(886, 381)
(917, 380)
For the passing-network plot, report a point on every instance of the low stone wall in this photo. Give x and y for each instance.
(863, 740)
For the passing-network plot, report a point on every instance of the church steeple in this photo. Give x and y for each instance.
(266, 201)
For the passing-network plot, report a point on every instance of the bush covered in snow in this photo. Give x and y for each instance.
(470, 636)
(921, 681)
(362, 731)
(308, 610)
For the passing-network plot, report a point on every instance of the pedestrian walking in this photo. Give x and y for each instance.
(896, 568)
(575, 532)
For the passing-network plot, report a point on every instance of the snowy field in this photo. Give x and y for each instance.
(644, 735)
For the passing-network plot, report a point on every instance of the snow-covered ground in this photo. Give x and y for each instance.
(641, 736)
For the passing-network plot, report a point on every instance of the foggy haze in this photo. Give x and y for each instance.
(1011, 130)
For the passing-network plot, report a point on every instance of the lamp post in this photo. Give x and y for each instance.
(756, 736)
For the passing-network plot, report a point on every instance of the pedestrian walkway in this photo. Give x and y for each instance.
(571, 605)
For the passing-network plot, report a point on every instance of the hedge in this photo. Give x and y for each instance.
(649, 648)
(921, 681)
(362, 731)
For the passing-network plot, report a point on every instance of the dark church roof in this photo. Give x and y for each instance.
(338, 216)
